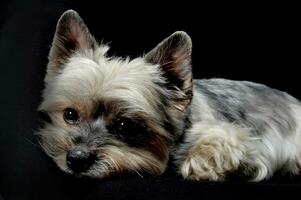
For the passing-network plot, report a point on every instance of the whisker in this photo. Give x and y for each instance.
(138, 173)
(35, 145)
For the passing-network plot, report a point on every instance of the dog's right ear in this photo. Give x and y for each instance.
(173, 55)
(70, 36)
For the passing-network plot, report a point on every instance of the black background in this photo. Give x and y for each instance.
(255, 42)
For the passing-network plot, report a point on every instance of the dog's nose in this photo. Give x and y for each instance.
(79, 159)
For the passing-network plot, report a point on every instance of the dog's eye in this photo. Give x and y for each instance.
(71, 116)
(130, 131)
(123, 126)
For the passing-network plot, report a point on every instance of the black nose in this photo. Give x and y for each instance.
(79, 159)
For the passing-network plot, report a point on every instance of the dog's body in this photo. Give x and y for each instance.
(240, 125)
(109, 115)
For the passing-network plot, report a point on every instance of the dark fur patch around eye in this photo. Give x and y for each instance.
(133, 132)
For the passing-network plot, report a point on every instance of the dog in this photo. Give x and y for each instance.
(107, 115)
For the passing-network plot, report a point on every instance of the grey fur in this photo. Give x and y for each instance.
(248, 104)
(262, 121)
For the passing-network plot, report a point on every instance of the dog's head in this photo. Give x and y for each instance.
(107, 114)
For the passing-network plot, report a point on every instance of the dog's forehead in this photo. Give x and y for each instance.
(85, 80)
(106, 77)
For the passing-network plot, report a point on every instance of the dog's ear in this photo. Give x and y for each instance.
(173, 55)
(71, 35)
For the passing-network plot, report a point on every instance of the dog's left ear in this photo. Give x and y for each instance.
(70, 36)
(173, 55)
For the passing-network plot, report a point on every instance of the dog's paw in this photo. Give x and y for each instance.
(211, 159)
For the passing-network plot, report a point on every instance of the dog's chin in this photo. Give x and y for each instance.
(87, 174)
(95, 171)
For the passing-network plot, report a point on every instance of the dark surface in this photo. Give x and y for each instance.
(244, 42)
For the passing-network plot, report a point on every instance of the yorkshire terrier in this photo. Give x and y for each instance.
(108, 115)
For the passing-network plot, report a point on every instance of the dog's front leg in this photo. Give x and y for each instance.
(211, 150)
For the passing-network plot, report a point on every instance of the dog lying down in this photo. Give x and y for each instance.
(107, 115)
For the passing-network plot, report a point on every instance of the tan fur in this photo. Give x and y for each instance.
(218, 149)
(80, 76)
